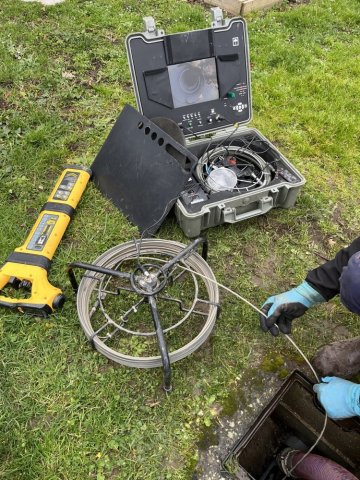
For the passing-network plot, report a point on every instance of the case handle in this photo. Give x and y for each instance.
(262, 206)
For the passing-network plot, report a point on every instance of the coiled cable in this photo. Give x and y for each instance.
(249, 169)
(110, 259)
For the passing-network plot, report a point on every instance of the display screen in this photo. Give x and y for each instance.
(193, 82)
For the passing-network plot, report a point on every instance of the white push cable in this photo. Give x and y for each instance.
(293, 343)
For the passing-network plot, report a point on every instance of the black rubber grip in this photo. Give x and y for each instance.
(29, 259)
(59, 207)
(30, 308)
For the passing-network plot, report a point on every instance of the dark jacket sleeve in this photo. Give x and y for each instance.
(325, 279)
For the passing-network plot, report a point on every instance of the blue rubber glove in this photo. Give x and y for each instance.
(340, 398)
(280, 310)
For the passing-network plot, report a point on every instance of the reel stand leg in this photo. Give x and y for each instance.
(162, 344)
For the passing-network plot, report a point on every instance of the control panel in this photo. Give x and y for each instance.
(234, 105)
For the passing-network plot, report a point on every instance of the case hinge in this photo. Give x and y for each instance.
(150, 30)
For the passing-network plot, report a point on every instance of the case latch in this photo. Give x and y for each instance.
(218, 17)
(150, 30)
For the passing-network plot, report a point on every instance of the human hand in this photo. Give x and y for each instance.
(280, 310)
(340, 398)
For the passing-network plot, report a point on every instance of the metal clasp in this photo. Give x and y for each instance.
(150, 29)
(217, 17)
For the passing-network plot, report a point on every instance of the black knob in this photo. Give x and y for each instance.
(58, 301)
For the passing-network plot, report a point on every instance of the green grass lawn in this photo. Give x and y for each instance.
(65, 411)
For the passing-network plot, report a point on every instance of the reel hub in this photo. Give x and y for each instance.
(148, 279)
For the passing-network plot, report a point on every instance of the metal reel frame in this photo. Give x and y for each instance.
(147, 281)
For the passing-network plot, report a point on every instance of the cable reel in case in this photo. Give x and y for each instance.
(233, 169)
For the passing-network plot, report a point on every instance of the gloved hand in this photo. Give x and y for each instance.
(340, 398)
(281, 309)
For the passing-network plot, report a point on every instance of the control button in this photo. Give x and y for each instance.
(230, 95)
(210, 120)
(190, 123)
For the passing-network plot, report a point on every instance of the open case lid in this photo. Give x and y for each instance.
(142, 169)
(199, 79)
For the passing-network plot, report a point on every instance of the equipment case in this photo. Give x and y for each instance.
(201, 81)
